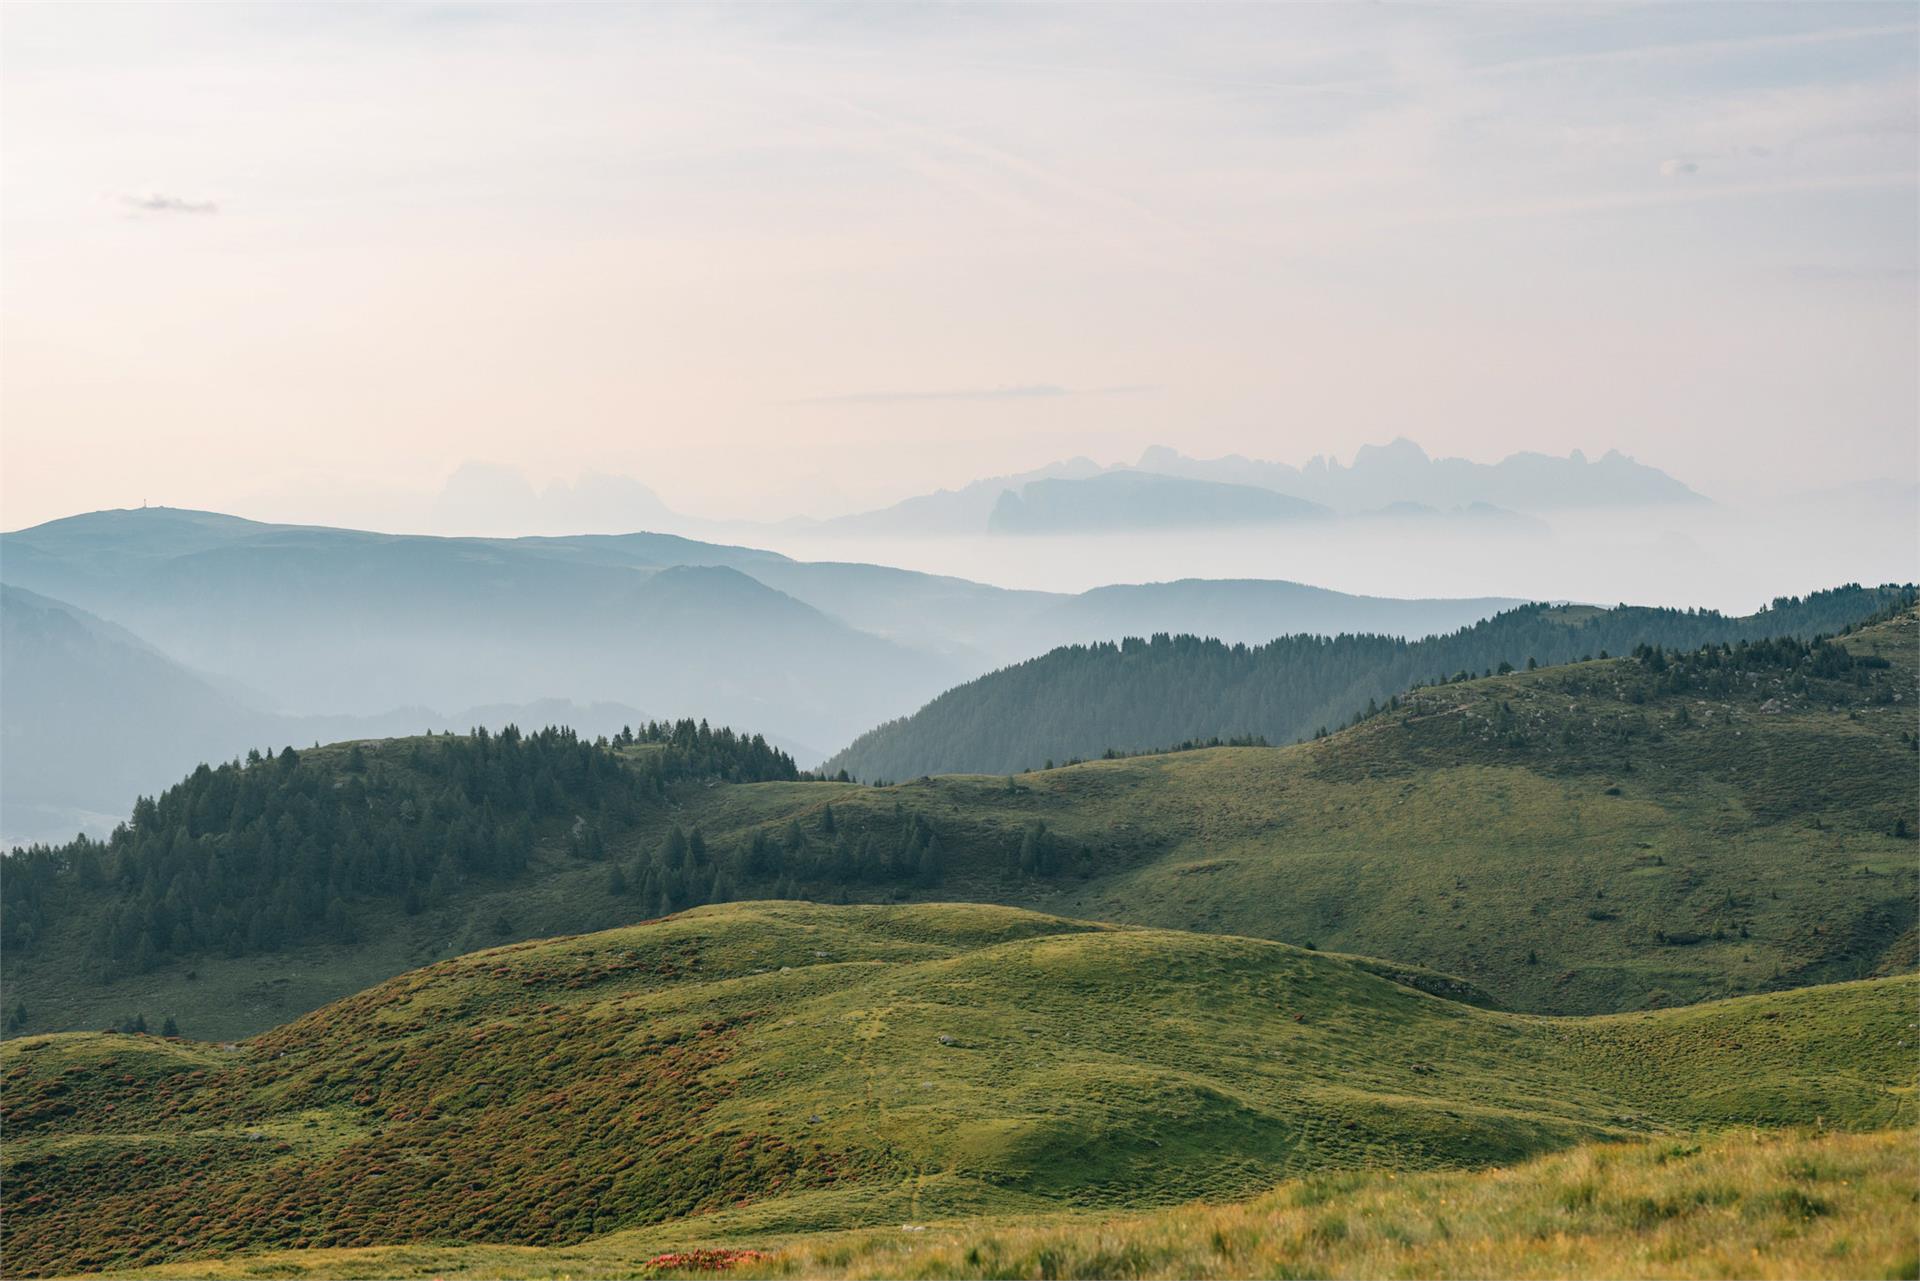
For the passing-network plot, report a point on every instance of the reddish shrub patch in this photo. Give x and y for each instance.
(703, 1260)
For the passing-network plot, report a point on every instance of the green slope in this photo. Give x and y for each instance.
(787, 1067)
(1079, 701)
(249, 893)
(1577, 839)
(1572, 840)
(1747, 1203)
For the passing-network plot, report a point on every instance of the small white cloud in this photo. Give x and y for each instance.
(154, 202)
(1678, 167)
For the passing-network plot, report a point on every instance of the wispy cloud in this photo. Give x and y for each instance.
(1709, 48)
(1674, 194)
(154, 202)
(1023, 391)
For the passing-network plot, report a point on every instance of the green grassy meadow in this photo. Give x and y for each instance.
(1647, 1008)
(775, 1068)
(1743, 1204)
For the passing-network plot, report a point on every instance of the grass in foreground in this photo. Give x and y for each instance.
(764, 1069)
(1740, 1205)
(1749, 1206)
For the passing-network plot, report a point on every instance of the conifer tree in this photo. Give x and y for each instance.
(673, 852)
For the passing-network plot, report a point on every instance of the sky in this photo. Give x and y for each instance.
(302, 262)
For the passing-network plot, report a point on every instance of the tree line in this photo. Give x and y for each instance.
(1080, 701)
(284, 848)
(824, 857)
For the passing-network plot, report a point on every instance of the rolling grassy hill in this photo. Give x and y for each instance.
(1603, 836)
(1598, 836)
(1572, 839)
(779, 1067)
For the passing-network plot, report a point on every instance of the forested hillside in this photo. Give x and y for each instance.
(1658, 828)
(289, 848)
(1079, 701)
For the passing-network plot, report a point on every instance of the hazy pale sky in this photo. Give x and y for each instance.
(782, 259)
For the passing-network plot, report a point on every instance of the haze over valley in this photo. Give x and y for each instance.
(1390, 520)
(964, 640)
(151, 639)
(173, 637)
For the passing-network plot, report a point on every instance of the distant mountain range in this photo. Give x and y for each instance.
(1168, 490)
(1164, 489)
(1120, 501)
(481, 498)
(94, 712)
(141, 641)
(1402, 472)
(966, 510)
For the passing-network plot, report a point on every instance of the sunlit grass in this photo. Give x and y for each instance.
(1763, 1205)
(766, 1068)
(1746, 1206)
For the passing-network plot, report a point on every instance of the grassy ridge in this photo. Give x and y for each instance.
(1573, 839)
(785, 1067)
(1081, 700)
(1576, 841)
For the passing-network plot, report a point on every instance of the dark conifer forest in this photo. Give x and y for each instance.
(286, 847)
(1082, 701)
